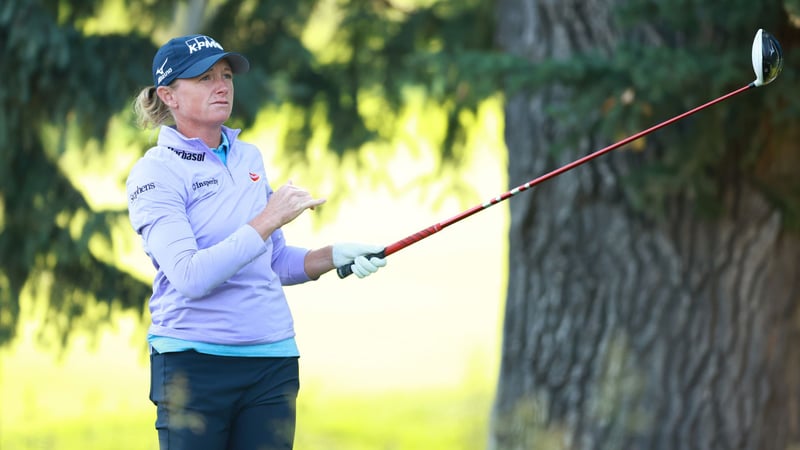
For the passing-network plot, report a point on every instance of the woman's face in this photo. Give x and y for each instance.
(203, 101)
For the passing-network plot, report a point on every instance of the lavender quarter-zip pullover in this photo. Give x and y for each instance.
(216, 280)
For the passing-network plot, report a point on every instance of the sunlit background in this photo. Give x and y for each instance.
(403, 359)
(653, 296)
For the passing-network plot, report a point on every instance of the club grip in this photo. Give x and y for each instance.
(347, 269)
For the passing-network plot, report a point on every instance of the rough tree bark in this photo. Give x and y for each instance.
(622, 333)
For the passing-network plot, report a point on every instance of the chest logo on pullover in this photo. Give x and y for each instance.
(189, 156)
(254, 177)
(204, 183)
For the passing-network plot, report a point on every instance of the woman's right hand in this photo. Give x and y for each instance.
(284, 205)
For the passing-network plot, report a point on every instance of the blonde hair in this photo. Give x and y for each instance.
(150, 111)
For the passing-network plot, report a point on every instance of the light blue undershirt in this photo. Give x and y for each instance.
(280, 349)
(222, 150)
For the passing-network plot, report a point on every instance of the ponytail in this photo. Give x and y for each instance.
(150, 111)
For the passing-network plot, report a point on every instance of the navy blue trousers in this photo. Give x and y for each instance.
(207, 402)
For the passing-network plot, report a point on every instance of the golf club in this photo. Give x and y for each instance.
(767, 59)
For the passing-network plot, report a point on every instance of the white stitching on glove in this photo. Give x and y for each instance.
(346, 253)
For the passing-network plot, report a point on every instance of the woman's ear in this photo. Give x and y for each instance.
(167, 96)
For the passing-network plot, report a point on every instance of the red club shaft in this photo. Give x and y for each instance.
(422, 234)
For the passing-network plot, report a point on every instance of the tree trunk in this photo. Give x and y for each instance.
(189, 16)
(622, 333)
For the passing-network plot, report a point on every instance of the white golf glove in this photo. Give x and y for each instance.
(347, 253)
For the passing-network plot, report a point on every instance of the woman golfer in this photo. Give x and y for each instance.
(224, 372)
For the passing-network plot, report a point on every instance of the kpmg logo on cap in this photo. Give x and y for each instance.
(200, 42)
(190, 56)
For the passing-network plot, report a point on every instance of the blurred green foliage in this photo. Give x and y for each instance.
(54, 76)
(672, 57)
(57, 75)
(702, 52)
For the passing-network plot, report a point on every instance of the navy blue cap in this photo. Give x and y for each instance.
(190, 56)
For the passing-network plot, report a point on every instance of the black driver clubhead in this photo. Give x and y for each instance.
(767, 58)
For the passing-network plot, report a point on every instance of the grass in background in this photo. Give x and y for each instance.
(420, 419)
(106, 432)
(417, 419)
(97, 400)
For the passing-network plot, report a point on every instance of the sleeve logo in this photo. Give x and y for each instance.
(139, 190)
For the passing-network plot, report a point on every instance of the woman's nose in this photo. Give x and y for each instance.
(221, 85)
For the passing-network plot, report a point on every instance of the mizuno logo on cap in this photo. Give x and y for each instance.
(160, 72)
